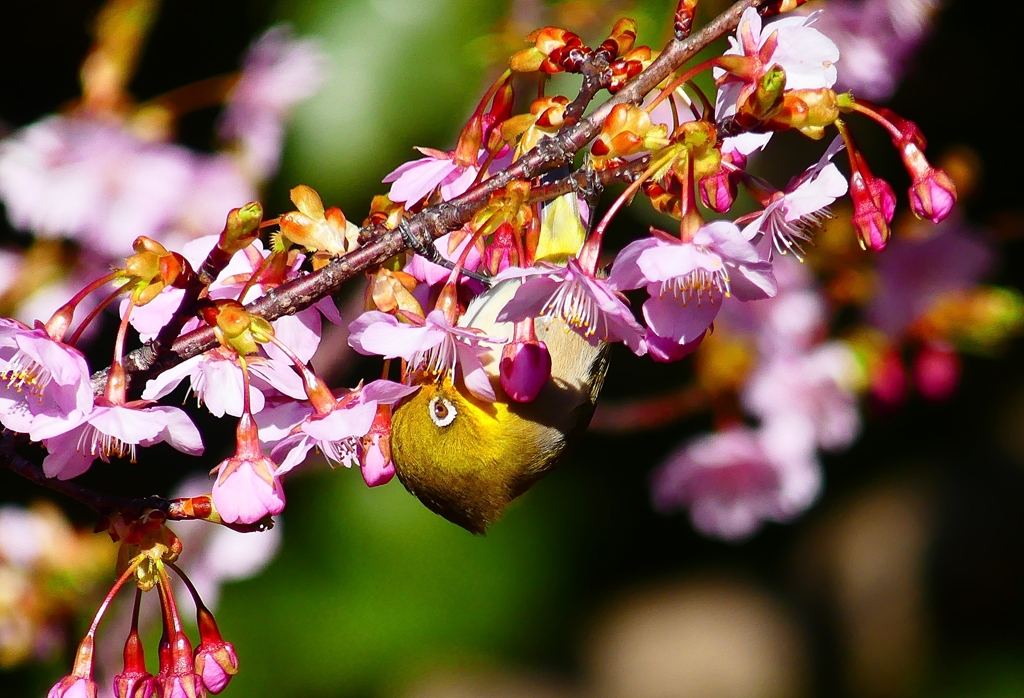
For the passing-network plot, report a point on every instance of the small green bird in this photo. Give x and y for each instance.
(467, 458)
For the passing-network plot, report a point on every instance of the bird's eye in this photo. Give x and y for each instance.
(442, 412)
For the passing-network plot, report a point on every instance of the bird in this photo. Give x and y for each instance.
(466, 458)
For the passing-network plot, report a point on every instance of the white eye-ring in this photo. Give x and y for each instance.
(442, 412)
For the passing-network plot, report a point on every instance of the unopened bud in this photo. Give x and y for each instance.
(73, 687)
(718, 191)
(768, 95)
(525, 369)
(216, 663)
(932, 197)
(242, 228)
(376, 464)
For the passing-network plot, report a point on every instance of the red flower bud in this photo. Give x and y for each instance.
(874, 204)
(525, 368)
(936, 372)
(73, 687)
(933, 195)
(216, 663)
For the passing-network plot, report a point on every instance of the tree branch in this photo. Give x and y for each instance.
(435, 221)
(182, 509)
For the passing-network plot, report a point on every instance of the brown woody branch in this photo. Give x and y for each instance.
(184, 509)
(435, 221)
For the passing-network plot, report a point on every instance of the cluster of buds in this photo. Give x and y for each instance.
(148, 549)
(557, 50)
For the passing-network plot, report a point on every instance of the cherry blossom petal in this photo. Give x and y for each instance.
(669, 318)
(63, 461)
(178, 431)
(626, 274)
(473, 374)
(375, 332)
(245, 497)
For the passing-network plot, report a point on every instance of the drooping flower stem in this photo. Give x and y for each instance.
(592, 247)
(100, 307)
(125, 576)
(59, 322)
(682, 80)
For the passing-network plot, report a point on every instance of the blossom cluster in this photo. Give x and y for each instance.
(774, 77)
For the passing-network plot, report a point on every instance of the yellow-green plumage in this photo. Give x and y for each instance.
(490, 453)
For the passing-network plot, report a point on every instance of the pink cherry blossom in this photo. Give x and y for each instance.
(247, 487)
(788, 221)
(100, 184)
(294, 428)
(413, 181)
(591, 307)
(813, 389)
(435, 347)
(40, 379)
(735, 480)
(689, 281)
(805, 54)
(215, 377)
(248, 492)
(113, 431)
(91, 180)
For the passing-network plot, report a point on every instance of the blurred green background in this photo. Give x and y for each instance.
(904, 580)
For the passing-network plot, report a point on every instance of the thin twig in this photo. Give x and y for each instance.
(108, 504)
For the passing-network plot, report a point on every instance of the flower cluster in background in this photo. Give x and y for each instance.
(108, 170)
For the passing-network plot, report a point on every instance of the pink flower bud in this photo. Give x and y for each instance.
(525, 368)
(180, 686)
(932, 196)
(134, 684)
(718, 191)
(666, 350)
(883, 196)
(216, 663)
(889, 379)
(376, 464)
(874, 204)
(73, 687)
(936, 372)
